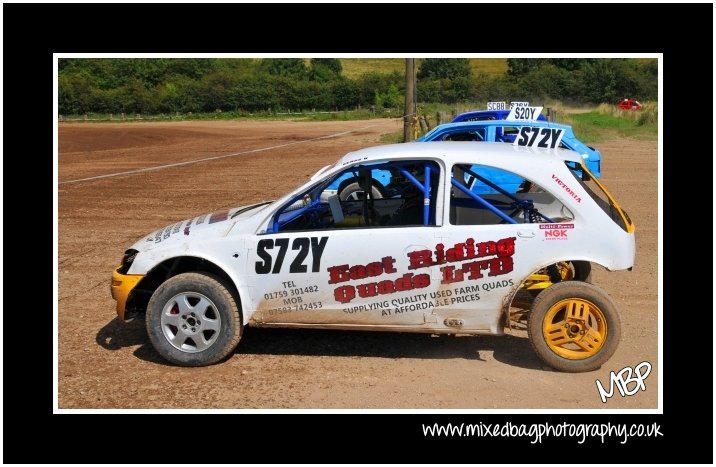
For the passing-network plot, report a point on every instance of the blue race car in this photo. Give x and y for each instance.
(507, 130)
(480, 115)
(528, 132)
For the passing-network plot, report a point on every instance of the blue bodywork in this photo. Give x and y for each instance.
(480, 115)
(499, 130)
(494, 130)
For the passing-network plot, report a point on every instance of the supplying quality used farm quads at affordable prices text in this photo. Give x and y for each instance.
(427, 253)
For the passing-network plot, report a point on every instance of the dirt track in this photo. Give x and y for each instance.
(108, 364)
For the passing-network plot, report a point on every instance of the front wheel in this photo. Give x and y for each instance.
(574, 326)
(193, 320)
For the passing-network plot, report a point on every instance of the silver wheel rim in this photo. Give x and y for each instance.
(190, 322)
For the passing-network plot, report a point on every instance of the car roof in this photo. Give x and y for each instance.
(479, 152)
(501, 123)
(498, 114)
(467, 126)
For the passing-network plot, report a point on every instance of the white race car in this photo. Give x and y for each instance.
(429, 256)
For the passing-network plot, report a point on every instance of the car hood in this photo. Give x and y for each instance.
(207, 226)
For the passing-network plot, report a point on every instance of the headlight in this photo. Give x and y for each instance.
(127, 260)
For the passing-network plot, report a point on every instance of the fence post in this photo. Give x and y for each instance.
(424, 124)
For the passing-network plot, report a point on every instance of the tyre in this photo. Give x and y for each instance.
(352, 191)
(574, 326)
(193, 320)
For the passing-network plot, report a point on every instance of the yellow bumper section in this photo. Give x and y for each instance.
(122, 286)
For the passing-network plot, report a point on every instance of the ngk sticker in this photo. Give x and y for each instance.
(556, 231)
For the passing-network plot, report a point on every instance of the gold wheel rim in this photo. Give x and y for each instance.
(575, 329)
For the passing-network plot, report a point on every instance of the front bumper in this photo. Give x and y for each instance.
(121, 288)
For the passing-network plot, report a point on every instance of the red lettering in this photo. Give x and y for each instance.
(404, 283)
(338, 274)
(450, 275)
(385, 287)
(367, 290)
(475, 267)
(470, 248)
(421, 281)
(486, 249)
(499, 266)
(358, 272)
(343, 272)
(388, 262)
(439, 253)
(344, 293)
(506, 246)
(420, 259)
(455, 253)
(374, 269)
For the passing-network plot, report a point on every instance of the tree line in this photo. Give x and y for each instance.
(168, 85)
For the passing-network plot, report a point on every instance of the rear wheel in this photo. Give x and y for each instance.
(193, 320)
(574, 326)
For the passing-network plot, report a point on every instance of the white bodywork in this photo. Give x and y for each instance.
(401, 278)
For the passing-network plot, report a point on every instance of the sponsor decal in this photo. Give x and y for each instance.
(492, 257)
(556, 231)
(566, 188)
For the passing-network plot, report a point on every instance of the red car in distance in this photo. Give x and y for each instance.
(629, 104)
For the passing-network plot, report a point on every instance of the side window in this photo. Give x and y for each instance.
(464, 136)
(482, 195)
(509, 134)
(374, 195)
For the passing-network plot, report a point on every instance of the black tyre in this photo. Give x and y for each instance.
(352, 191)
(582, 271)
(193, 320)
(574, 326)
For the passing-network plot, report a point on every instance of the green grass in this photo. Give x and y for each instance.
(355, 67)
(608, 121)
(390, 138)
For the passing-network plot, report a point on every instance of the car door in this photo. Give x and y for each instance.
(333, 264)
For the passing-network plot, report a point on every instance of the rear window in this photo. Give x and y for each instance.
(597, 192)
